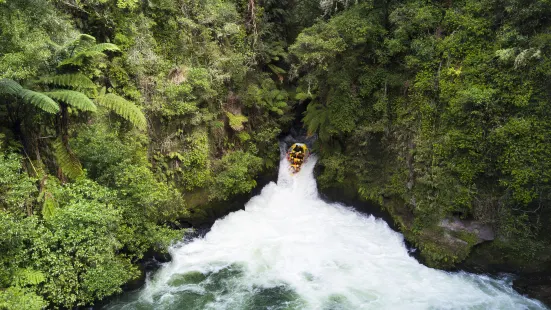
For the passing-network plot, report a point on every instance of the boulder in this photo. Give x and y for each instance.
(482, 232)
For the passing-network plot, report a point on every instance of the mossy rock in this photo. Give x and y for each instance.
(497, 256)
(440, 249)
(401, 214)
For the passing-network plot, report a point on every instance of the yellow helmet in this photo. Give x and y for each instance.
(300, 146)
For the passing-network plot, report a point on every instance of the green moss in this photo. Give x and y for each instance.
(499, 253)
(438, 247)
(470, 238)
(401, 214)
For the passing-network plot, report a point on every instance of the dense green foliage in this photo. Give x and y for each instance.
(441, 105)
(121, 119)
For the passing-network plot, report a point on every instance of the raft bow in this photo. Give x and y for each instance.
(297, 155)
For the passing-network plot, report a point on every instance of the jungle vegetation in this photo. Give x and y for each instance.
(441, 106)
(119, 119)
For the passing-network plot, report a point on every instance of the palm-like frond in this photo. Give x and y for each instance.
(236, 121)
(78, 59)
(76, 81)
(84, 49)
(39, 100)
(49, 206)
(317, 119)
(84, 53)
(28, 276)
(314, 117)
(275, 69)
(67, 161)
(126, 109)
(84, 38)
(104, 47)
(81, 43)
(10, 87)
(73, 98)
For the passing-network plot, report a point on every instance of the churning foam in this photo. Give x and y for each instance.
(291, 250)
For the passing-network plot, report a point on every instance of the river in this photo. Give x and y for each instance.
(288, 249)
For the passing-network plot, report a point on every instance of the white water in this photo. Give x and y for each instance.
(290, 250)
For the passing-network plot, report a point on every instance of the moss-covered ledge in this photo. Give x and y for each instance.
(462, 250)
(442, 245)
(203, 212)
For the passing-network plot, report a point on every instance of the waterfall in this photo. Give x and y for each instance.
(288, 249)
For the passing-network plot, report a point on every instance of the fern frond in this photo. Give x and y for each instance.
(76, 81)
(275, 69)
(78, 59)
(317, 119)
(67, 161)
(83, 37)
(236, 121)
(83, 42)
(301, 96)
(73, 98)
(10, 87)
(39, 100)
(49, 206)
(312, 117)
(126, 109)
(104, 47)
(27, 276)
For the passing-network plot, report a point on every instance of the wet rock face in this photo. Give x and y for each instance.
(482, 232)
(536, 285)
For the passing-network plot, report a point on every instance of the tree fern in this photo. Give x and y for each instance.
(48, 208)
(124, 108)
(39, 100)
(66, 160)
(49, 204)
(73, 98)
(27, 276)
(88, 52)
(84, 38)
(78, 59)
(76, 81)
(80, 44)
(275, 69)
(317, 119)
(10, 87)
(103, 47)
(236, 121)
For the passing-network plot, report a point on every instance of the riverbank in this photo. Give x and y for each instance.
(533, 280)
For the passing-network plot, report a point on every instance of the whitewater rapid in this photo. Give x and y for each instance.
(291, 250)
